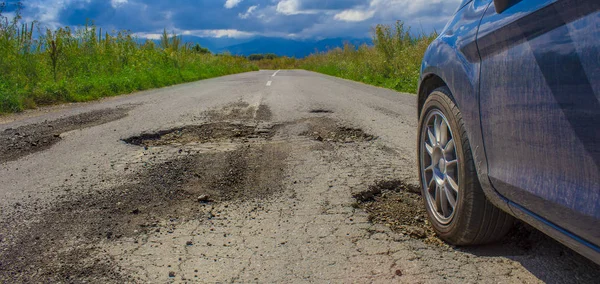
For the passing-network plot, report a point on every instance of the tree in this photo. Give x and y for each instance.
(199, 49)
(256, 57)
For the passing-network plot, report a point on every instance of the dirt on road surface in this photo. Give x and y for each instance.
(249, 184)
(24, 140)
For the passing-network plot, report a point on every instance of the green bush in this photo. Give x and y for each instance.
(256, 57)
(392, 62)
(199, 49)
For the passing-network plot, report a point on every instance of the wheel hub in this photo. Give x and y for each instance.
(442, 166)
(439, 166)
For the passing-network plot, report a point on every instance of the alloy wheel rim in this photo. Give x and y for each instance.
(439, 167)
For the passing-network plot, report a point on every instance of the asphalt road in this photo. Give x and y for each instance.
(243, 178)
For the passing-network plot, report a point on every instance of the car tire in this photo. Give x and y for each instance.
(452, 176)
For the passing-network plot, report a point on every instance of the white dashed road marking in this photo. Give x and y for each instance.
(269, 83)
(274, 74)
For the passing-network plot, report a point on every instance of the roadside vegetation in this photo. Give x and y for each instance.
(39, 66)
(393, 61)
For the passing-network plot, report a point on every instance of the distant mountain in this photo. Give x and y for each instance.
(289, 47)
(331, 43)
(279, 46)
(215, 44)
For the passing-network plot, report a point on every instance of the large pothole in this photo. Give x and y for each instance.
(328, 130)
(399, 206)
(212, 132)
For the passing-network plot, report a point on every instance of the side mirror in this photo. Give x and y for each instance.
(502, 5)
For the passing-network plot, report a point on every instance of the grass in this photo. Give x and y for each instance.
(82, 64)
(278, 63)
(393, 61)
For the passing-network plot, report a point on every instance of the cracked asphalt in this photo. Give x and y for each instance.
(231, 180)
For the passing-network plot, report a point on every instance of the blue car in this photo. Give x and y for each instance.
(509, 122)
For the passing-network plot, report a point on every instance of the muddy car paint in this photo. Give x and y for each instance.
(527, 82)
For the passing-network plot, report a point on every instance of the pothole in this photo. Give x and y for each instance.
(326, 129)
(24, 140)
(211, 132)
(340, 135)
(384, 185)
(320, 111)
(399, 206)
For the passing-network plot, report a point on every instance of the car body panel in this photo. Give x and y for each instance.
(455, 59)
(539, 112)
(567, 238)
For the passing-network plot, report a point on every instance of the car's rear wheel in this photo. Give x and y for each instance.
(456, 205)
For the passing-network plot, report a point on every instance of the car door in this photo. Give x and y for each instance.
(540, 109)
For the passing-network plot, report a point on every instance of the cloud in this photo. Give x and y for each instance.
(248, 13)
(152, 36)
(410, 9)
(199, 33)
(288, 7)
(218, 33)
(232, 3)
(354, 15)
(232, 18)
(292, 7)
(117, 3)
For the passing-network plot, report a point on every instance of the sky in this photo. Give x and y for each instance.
(297, 19)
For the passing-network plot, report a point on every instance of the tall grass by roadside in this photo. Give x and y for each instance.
(86, 63)
(393, 61)
(279, 63)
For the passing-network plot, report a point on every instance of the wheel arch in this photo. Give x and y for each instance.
(429, 83)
